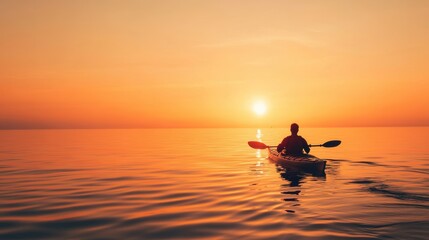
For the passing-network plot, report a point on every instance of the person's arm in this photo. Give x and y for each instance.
(281, 146)
(306, 147)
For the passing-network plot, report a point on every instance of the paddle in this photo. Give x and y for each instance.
(328, 144)
(260, 145)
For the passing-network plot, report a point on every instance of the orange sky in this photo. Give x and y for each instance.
(67, 64)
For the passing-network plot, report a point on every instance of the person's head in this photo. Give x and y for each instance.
(294, 128)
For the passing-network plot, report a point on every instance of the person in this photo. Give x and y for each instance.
(293, 144)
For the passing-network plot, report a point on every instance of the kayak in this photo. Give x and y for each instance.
(305, 162)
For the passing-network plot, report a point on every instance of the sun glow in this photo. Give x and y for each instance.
(259, 108)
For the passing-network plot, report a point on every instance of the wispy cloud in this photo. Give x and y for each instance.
(262, 40)
(203, 84)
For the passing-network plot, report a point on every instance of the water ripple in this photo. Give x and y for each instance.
(402, 195)
(143, 184)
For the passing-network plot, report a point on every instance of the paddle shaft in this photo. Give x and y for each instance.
(310, 145)
(260, 145)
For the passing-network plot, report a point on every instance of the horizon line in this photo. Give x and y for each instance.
(125, 128)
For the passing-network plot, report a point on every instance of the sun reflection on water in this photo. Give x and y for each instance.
(258, 134)
(258, 151)
(259, 162)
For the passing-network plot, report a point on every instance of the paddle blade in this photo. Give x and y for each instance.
(257, 145)
(332, 143)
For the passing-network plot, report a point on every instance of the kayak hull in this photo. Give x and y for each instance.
(303, 162)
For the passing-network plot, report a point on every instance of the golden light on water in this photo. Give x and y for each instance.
(259, 135)
(258, 151)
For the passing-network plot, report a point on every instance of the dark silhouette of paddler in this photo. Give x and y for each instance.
(293, 144)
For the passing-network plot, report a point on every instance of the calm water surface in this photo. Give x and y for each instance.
(208, 184)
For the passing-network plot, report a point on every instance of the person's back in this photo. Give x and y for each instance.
(294, 144)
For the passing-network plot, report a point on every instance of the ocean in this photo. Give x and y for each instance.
(209, 184)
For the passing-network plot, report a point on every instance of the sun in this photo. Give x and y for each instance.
(259, 108)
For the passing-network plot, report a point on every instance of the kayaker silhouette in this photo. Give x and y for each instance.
(293, 144)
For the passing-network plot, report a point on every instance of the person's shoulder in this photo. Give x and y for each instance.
(302, 138)
(286, 138)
